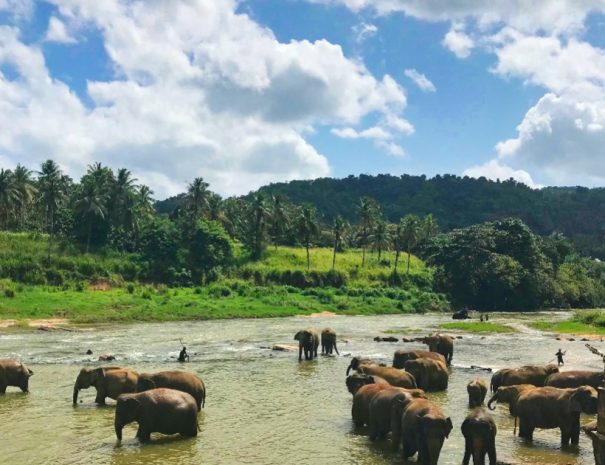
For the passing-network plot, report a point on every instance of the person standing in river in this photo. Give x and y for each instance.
(183, 355)
(559, 356)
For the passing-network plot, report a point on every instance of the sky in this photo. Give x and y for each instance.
(244, 93)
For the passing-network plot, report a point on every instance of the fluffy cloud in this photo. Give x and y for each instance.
(458, 42)
(199, 90)
(57, 32)
(420, 80)
(494, 170)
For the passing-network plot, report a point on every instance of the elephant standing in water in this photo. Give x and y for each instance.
(308, 340)
(528, 374)
(393, 376)
(179, 380)
(401, 356)
(357, 380)
(385, 412)
(14, 373)
(356, 362)
(479, 431)
(509, 395)
(429, 374)
(108, 381)
(360, 411)
(477, 390)
(550, 407)
(576, 378)
(328, 341)
(166, 411)
(442, 344)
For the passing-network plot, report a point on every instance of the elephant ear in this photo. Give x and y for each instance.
(575, 402)
(297, 336)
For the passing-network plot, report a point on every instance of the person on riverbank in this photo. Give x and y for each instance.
(559, 356)
(183, 355)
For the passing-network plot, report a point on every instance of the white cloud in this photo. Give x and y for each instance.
(494, 170)
(199, 90)
(57, 32)
(458, 42)
(374, 132)
(364, 31)
(392, 148)
(420, 80)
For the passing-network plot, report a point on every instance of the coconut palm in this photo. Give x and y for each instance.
(90, 206)
(307, 228)
(22, 180)
(429, 227)
(197, 196)
(367, 211)
(339, 230)
(279, 218)
(9, 196)
(52, 187)
(259, 218)
(407, 237)
(381, 238)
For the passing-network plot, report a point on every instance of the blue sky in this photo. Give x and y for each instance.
(250, 92)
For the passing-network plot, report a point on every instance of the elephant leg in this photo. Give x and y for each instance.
(100, 399)
(3, 388)
(468, 448)
(574, 434)
(408, 449)
(144, 435)
(491, 451)
(526, 429)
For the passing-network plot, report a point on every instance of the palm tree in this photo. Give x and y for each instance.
(366, 216)
(279, 217)
(196, 197)
(307, 227)
(91, 204)
(9, 196)
(381, 238)
(144, 201)
(52, 187)
(429, 227)
(339, 229)
(407, 237)
(26, 191)
(259, 219)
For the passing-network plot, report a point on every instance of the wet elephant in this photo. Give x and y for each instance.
(357, 380)
(479, 431)
(108, 381)
(328, 341)
(14, 373)
(424, 428)
(308, 341)
(529, 374)
(477, 390)
(442, 344)
(576, 378)
(165, 411)
(385, 412)
(393, 376)
(549, 407)
(360, 410)
(430, 375)
(356, 362)
(179, 380)
(402, 356)
(509, 395)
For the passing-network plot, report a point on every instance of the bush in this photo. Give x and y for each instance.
(130, 288)
(9, 293)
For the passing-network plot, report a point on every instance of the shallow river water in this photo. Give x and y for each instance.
(263, 407)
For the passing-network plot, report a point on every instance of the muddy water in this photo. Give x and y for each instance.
(263, 407)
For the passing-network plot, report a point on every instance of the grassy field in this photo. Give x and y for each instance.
(582, 322)
(478, 327)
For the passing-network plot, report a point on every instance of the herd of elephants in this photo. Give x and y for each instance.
(386, 399)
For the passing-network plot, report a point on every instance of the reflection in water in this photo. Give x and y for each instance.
(262, 406)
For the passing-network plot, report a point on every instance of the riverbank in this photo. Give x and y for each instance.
(478, 327)
(588, 323)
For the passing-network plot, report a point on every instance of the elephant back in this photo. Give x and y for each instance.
(177, 380)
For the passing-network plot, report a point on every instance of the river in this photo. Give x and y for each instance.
(263, 407)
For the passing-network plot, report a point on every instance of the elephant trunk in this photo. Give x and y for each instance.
(76, 391)
(493, 399)
(349, 368)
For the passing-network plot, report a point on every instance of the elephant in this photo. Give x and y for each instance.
(509, 395)
(442, 344)
(308, 340)
(549, 407)
(108, 381)
(356, 362)
(430, 375)
(477, 390)
(328, 341)
(576, 378)
(14, 373)
(357, 380)
(402, 356)
(360, 410)
(161, 410)
(479, 431)
(386, 339)
(424, 427)
(179, 380)
(528, 374)
(393, 376)
(385, 412)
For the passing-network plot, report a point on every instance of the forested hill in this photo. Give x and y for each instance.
(577, 212)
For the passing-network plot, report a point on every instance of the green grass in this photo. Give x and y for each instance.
(478, 327)
(582, 322)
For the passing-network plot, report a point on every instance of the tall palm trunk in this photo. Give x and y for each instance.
(88, 236)
(397, 253)
(308, 258)
(408, 270)
(363, 255)
(51, 231)
(334, 255)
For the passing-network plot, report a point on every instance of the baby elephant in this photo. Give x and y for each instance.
(308, 341)
(477, 390)
(179, 380)
(328, 341)
(14, 373)
(165, 411)
(479, 431)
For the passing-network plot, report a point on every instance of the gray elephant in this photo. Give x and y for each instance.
(401, 356)
(576, 378)
(385, 412)
(424, 428)
(308, 340)
(509, 395)
(442, 344)
(161, 410)
(393, 376)
(479, 431)
(108, 381)
(360, 410)
(356, 362)
(328, 341)
(179, 380)
(357, 380)
(550, 407)
(429, 374)
(528, 374)
(14, 373)
(477, 390)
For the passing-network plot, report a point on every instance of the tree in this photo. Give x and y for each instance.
(279, 218)
(339, 229)
(258, 220)
(407, 236)
(122, 201)
(429, 228)
(26, 190)
(381, 238)
(197, 196)
(52, 187)
(210, 250)
(307, 227)
(367, 211)
(90, 205)
(9, 196)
